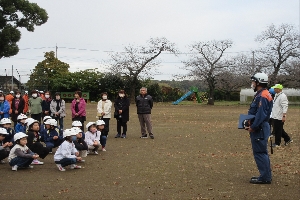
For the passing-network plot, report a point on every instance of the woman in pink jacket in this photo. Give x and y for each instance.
(78, 109)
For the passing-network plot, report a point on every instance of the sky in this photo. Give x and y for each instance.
(86, 32)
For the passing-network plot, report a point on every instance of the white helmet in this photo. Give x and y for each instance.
(51, 122)
(41, 92)
(46, 117)
(19, 135)
(260, 78)
(76, 123)
(5, 121)
(27, 120)
(76, 130)
(26, 92)
(21, 116)
(3, 131)
(31, 121)
(90, 124)
(69, 132)
(100, 122)
(11, 92)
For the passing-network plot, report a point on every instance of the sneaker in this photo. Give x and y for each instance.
(29, 167)
(36, 162)
(144, 136)
(123, 136)
(60, 168)
(2, 162)
(103, 149)
(96, 152)
(151, 136)
(288, 142)
(118, 135)
(275, 145)
(14, 168)
(81, 161)
(50, 152)
(73, 166)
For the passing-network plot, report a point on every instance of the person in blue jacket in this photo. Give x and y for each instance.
(21, 127)
(43, 128)
(6, 123)
(4, 107)
(259, 128)
(52, 137)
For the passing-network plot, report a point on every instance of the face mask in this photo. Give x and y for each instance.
(1, 98)
(74, 138)
(47, 96)
(18, 96)
(58, 98)
(253, 86)
(121, 95)
(104, 97)
(34, 95)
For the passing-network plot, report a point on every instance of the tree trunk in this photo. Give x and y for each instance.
(211, 98)
(132, 93)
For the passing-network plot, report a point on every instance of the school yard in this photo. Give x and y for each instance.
(197, 153)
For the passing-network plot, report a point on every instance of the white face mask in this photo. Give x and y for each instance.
(253, 86)
(47, 96)
(1, 98)
(104, 97)
(121, 95)
(34, 95)
(18, 96)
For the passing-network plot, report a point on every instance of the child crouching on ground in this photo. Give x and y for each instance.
(100, 127)
(92, 137)
(66, 154)
(4, 148)
(21, 127)
(52, 136)
(20, 155)
(79, 143)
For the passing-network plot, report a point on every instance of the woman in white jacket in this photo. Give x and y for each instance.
(104, 112)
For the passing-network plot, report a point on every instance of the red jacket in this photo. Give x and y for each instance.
(81, 107)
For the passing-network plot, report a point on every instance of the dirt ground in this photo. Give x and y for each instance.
(197, 153)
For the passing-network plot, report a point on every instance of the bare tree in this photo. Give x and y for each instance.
(280, 44)
(290, 77)
(207, 62)
(137, 62)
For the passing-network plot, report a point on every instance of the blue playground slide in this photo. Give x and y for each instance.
(182, 98)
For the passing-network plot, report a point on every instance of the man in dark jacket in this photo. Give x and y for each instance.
(144, 104)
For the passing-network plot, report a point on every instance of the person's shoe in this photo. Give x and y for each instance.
(60, 168)
(256, 181)
(103, 149)
(50, 152)
(151, 136)
(123, 136)
(254, 177)
(81, 161)
(96, 152)
(14, 168)
(2, 161)
(36, 162)
(144, 136)
(118, 135)
(29, 167)
(275, 145)
(288, 142)
(73, 166)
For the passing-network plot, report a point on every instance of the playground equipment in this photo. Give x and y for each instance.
(192, 90)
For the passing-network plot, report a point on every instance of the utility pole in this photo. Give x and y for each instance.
(12, 78)
(56, 51)
(253, 63)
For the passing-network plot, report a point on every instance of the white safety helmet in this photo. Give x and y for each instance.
(90, 124)
(19, 135)
(11, 92)
(100, 122)
(31, 121)
(41, 92)
(76, 123)
(3, 131)
(46, 117)
(77, 130)
(26, 92)
(260, 78)
(51, 122)
(21, 116)
(5, 121)
(69, 132)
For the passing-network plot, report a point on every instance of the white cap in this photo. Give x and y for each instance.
(69, 132)
(100, 122)
(76, 123)
(19, 135)
(3, 131)
(5, 121)
(51, 122)
(90, 124)
(46, 117)
(21, 116)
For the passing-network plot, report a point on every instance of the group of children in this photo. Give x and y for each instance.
(31, 140)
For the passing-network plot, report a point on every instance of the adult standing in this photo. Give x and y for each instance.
(259, 129)
(58, 110)
(144, 104)
(17, 107)
(9, 98)
(121, 113)
(4, 107)
(46, 104)
(104, 112)
(35, 106)
(280, 107)
(26, 99)
(78, 109)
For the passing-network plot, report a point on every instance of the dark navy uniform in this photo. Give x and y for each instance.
(261, 107)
